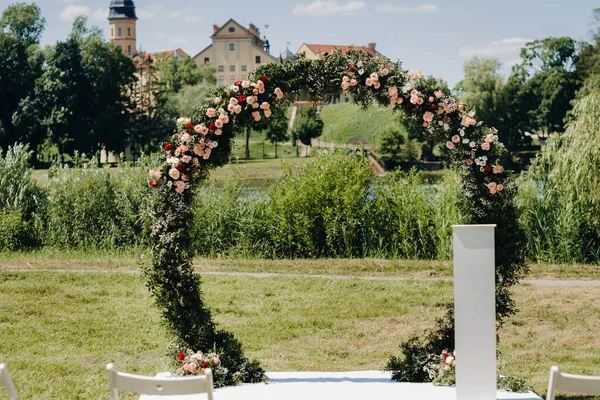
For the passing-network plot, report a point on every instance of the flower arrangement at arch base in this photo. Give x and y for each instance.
(191, 363)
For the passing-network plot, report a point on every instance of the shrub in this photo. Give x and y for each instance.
(559, 194)
(22, 202)
(93, 208)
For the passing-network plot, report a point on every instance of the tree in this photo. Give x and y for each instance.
(278, 130)
(21, 61)
(549, 82)
(391, 147)
(174, 74)
(481, 88)
(308, 125)
(81, 98)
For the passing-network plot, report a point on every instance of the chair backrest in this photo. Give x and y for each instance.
(158, 386)
(562, 382)
(6, 382)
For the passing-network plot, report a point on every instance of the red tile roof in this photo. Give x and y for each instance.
(150, 59)
(330, 48)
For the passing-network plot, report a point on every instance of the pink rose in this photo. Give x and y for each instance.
(369, 82)
(353, 82)
(438, 94)
(490, 138)
(185, 138)
(219, 123)
(217, 100)
(431, 99)
(233, 101)
(485, 146)
(377, 85)
(461, 107)
(420, 101)
(455, 139)
(224, 118)
(186, 159)
(174, 173)
(255, 106)
(469, 162)
(425, 124)
(498, 169)
(238, 109)
(499, 188)
(345, 85)
(179, 188)
(230, 107)
(428, 116)
(265, 105)
(267, 113)
(385, 71)
(450, 145)
(393, 90)
(218, 132)
(211, 112)
(374, 76)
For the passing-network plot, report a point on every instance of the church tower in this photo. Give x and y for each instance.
(122, 20)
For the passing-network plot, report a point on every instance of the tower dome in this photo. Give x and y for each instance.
(122, 9)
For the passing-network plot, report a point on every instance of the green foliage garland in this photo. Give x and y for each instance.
(204, 141)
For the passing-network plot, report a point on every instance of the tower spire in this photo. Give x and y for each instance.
(122, 20)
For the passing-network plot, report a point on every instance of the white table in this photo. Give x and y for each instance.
(359, 385)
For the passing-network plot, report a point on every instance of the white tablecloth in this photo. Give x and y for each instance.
(359, 385)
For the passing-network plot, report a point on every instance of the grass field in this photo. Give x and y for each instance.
(348, 121)
(58, 330)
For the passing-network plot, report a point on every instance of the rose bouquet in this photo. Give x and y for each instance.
(192, 364)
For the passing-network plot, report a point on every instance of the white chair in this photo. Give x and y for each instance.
(158, 386)
(580, 384)
(6, 382)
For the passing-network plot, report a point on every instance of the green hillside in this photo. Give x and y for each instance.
(349, 121)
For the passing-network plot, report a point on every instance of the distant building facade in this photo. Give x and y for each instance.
(235, 52)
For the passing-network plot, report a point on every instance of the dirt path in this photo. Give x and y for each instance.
(264, 275)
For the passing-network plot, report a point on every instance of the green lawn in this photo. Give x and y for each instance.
(348, 121)
(59, 329)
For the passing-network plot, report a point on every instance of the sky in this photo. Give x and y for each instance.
(434, 36)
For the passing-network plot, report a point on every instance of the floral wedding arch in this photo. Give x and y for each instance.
(204, 141)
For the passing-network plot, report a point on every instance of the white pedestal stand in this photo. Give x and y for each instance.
(475, 312)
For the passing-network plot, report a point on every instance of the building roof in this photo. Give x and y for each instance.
(253, 31)
(122, 9)
(287, 55)
(144, 60)
(324, 49)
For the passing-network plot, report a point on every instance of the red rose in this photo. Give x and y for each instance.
(241, 99)
(352, 69)
(167, 146)
(238, 83)
(487, 169)
(180, 167)
(190, 126)
(445, 355)
(212, 126)
(264, 79)
(432, 107)
(204, 364)
(153, 183)
(180, 356)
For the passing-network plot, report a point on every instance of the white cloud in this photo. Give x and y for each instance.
(322, 8)
(144, 13)
(387, 8)
(496, 48)
(191, 18)
(176, 14)
(72, 11)
(101, 14)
